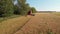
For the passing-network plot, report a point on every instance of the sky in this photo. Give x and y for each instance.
(45, 5)
(15, 2)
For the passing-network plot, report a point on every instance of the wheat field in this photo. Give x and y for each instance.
(41, 23)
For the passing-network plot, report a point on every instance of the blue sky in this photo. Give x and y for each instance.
(45, 5)
(15, 2)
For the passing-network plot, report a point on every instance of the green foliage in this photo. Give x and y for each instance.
(49, 32)
(24, 7)
(16, 11)
(8, 8)
(33, 10)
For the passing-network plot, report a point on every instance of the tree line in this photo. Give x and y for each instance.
(8, 8)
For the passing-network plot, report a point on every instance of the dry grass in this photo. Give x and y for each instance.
(41, 23)
(44, 23)
(10, 26)
(56, 13)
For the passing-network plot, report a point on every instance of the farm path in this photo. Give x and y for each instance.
(43, 23)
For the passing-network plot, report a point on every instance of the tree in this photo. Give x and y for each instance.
(9, 7)
(16, 10)
(23, 7)
(33, 10)
(6, 7)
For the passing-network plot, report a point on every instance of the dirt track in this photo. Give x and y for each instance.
(41, 24)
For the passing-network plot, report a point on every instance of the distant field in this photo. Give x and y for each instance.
(56, 13)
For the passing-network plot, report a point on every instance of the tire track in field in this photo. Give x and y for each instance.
(21, 26)
(41, 24)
